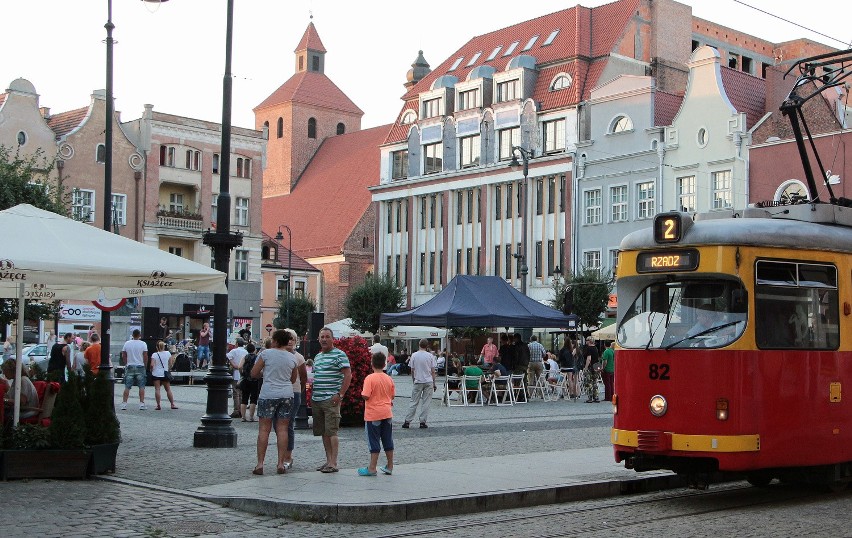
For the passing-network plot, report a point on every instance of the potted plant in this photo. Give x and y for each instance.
(57, 451)
(103, 433)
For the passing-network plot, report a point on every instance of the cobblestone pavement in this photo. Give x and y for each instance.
(162, 440)
(99, 508)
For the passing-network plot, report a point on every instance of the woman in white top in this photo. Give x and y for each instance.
(161, 363)
(298, 397)
(277, 366)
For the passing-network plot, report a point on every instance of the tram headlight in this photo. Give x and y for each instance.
(722, 409)
(658, 406)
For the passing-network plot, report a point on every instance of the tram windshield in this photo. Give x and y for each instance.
(685, 314)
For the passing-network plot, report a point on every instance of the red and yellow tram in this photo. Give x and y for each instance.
(735, 343)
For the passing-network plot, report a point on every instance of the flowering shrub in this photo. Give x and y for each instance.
(358, 351)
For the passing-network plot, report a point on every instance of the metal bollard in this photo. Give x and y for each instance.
(301, 418)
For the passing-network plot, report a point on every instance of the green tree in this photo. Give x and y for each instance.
(591, 289)
(367, 302)
(300, 310)
(25, 181)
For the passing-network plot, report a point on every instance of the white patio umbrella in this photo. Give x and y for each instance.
(49, 257)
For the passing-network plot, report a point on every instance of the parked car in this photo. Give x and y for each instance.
(36, 354)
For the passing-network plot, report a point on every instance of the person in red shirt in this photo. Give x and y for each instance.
(93, 353)
(378, 393)
(489, 351)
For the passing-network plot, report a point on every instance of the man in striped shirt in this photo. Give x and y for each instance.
(536, 365)
(332, 375)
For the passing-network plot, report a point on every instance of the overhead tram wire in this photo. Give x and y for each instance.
(846, 44)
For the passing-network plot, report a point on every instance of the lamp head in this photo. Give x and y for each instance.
(514, 164)
(557, 271)
(279, 236)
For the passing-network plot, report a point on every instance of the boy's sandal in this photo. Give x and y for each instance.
(257, 470)
(321, 467)
(386, 470)
(329, 469)
(363, 471)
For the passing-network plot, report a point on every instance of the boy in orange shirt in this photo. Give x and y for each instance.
(378, 393)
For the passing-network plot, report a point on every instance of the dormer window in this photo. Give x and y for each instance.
(432, 108)
(511, 48)
(561, 82)
(473, 60)
(530, 43)
(550, 38)
(507, 91)
(494, 53)
(456, 63)
(621, 124)
(469, 99)
(408, 118)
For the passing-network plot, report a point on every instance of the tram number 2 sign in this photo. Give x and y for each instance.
(658, 372)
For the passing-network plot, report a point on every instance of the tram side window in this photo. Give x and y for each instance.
(796, 306)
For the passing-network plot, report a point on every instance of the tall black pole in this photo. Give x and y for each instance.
(105, 366)
(289, 271)
(216, 430)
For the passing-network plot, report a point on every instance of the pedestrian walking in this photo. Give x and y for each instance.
(332, 375)
(423, 366)
(203, 351)
(592, 373)
(249, 386)
(235, 358)
(298, 397)
(608, 372)
(378, 393)
(60, 359)
(277, 367)
(134, 354)
(93, 353)
(161, 364)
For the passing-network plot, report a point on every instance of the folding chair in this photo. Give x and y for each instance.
(457, 382)
(539, 386)
(501, 391)
(478, 397)
(519, 388)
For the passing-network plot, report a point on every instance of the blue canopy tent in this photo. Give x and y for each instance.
(479, 301)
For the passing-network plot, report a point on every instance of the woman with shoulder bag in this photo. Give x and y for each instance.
(161, 362)
(249, 385)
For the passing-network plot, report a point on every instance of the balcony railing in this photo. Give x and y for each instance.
(179, 223)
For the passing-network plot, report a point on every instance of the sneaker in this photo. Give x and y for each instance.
(142, 407)
(405, 425)
(124, 406)
(423, 425)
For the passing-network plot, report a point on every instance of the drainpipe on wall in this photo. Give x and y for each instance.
(661, 157)
(577, 170)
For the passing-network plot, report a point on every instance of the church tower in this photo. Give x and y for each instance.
(300, 114)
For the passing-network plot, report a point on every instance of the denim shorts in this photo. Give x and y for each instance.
(274, 408)
(379, 430)
(135, 375)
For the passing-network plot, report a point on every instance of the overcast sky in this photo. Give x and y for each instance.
(172, 55)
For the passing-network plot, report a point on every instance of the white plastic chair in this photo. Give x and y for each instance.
(460, 400)
(478, 396)
(539, 387)
(519, 388)
(501, 391)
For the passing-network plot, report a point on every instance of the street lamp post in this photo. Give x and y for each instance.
(216, 430)
(280, 237)
(526, 155)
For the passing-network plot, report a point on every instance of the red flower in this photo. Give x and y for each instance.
(358, 351)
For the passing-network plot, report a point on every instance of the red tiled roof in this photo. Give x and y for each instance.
(399, 131)
(331, 195)
(311, 88)
(65, 122)
(746, 93)
(586, 33)
(298, 263)
(666, 106)
(311, 40)
(2, 97)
